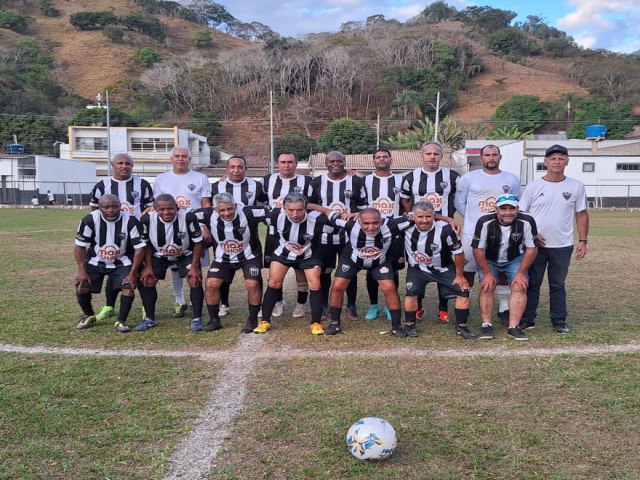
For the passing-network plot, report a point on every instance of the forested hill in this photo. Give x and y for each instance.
(200, 67)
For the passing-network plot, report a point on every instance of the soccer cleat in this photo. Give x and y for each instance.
(561, 328)
(517, 334)
(86, 321)
(105, 312)
(146, 324)
(504, 318)
(372, 313)
(333, 328)
(121, 327)
(224, 310)
(299, 311)
(486, 331)
(248, 327)
(443, 317)
(419, 314)
(178, 310)
(526, 325)
(399, 332)
(411, 329)
(464, 332)
(212, 326)
(352, 312)
(263, 327)
(196, 325)
(387, 313)
(278, 309)
(317, 329)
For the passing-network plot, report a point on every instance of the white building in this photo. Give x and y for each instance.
(149, 147)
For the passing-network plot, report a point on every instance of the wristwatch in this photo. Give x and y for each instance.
(583, 240)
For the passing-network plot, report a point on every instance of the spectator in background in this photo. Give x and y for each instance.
(34, 201)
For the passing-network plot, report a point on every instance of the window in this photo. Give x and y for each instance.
(588, 167)
(27, 168)
(627, 167)
(161, 145)
(541, 167)
(91, 143)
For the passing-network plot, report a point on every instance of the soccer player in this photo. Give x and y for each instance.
(436, 185)
(298, 232)
(504, 241)
(136, 197)
(174, 240)
(246, 192)
(383, 194)
(237, 246)
(553, 201)
(435, 254)
(476, 195)
(343, 193)
(191, 190)
(276, 186)
(108, 243)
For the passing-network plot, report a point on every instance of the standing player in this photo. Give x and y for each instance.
(504, 241)
(476, 196)
(136, 197)
(436, 185)
(108, 243)
(553, 201)
(345, 194)
(174, 240)
(191, 190)
(383, 194)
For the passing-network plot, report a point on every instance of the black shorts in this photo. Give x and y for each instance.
(396, 252)
(306, 264)
(117, 274)
(329, 254)
(417, 280)
(349, 270)
(181, 264)
(270, 245)
(252, 269)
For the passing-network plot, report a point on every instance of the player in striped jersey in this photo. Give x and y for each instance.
(504, 241)
(174, 240)
(136, 197)
(343, 193)
(436, 185)
(277, 186)
(108, 243)
(368, 248)
(236, 246)
(246, 192)
(299, 232)
(435, 254)
(383, 194)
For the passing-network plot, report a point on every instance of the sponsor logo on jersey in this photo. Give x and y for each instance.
(338, 207)
(183, 202)
(232, 247)
(127, 207)
(171, 250)
(434, 199)
(109, 253)
(566, 195)
(191, 187)
(488, 205)
(384, 205)
(368, 253)
(254, 271)
(422, 258)
(294, 248)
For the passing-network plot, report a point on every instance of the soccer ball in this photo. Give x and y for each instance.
(371, 438)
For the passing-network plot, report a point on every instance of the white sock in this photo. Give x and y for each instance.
(504, 293)
(177, 284)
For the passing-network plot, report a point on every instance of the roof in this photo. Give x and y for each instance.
(403, 161)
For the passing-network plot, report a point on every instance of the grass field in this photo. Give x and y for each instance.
(498, 415)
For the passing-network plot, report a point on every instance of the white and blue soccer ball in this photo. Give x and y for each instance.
(372, 438)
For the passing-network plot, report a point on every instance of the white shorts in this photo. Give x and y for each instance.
(470, 265)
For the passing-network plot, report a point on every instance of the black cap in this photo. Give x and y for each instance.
(556, 149)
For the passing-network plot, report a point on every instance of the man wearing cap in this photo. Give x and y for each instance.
(504, 241)
(553, 201)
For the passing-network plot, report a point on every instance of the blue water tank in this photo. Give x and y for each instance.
(15, 148)
(596, 131)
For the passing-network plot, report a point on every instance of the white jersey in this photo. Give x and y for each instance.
(188, 189)
(553, 205)
(477, 193)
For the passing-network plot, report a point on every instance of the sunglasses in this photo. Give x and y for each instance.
(504, 198)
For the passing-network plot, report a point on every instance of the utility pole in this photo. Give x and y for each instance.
(271, 163)
(437, 125)
(108, 134)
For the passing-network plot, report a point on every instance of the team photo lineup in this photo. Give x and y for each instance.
(330, 228)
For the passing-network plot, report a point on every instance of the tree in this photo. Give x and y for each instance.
(505, 132)
(486, 19)
(13, 21)
(511, 41)
(37, 133)
(147, 56)
(297, 142)
(439, 12)
(525, 112)
(113, 33)
(98, 116)
(202, 39)
(348, 136)
(598, 110)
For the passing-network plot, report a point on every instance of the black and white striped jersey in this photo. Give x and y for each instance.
(174, 239)
(235, 240)
(109, 244)
(246, 193)
(505, 243)
(383, 193)
(276, 187)
(299, 241)
(346, 195)
(437, 188)
(135, 194)
(368, 252)
(434, 249)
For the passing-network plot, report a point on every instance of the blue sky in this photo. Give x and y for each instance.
(609, 24)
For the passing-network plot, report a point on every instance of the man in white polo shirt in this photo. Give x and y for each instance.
(553, 201)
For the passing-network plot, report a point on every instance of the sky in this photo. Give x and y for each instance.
(607, 24)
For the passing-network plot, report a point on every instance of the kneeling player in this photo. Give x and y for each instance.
(434, 254)
(102, 241)
(174, 240)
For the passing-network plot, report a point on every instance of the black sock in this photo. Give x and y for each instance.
(268, 302)
(84, 300)
(462, 316)
(396, 321)
(325, 286)
(410, 317)
(372, 289)
(196, 295)
(352, 291)
(315, 300)
(303, 292)
(149, 296)
(420, 297)
(125, 307)
(335, 312)
(214, 311)
(110, 294)
(253, 314)
(224, 293)
(443, 302)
